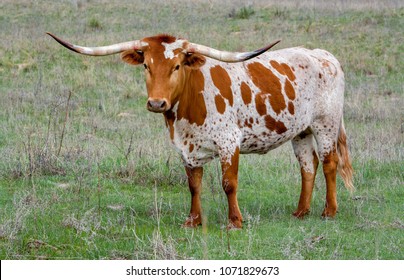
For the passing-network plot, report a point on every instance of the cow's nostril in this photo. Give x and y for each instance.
(157, 105)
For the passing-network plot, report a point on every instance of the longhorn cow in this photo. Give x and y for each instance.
(223, 104)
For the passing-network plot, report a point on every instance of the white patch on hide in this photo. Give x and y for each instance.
(304, 149)
(170, 48)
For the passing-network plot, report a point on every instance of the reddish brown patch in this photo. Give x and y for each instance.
(320, 76)
(247, 124)
(220, 105)
(274, 125)
(191, 147)
(289, 72)
(283, 69)
(291, 108)
(222, 81)
(290, 91)
(269, 84)
(170, 118)
(191, 102)
(245, 93)
(260, 104)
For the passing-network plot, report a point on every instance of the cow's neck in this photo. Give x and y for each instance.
(191, 104)
(170, 117)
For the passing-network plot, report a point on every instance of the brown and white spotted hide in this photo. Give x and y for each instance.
(216, 109)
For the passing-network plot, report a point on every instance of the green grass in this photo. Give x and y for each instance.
(117, 190)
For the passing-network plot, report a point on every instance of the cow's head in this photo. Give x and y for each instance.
(167, 62)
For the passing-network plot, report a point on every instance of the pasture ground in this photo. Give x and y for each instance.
(86, 172)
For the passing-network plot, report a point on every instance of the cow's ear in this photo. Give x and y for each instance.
(194, 61)
(132, 57)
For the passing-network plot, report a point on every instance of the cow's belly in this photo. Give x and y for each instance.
(199, 145)
(198, 157)
(251, 142)
(263, 142)
(263, 136)
(205, 150)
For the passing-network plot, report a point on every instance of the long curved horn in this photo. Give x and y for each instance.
(227, 56)
(105, 50)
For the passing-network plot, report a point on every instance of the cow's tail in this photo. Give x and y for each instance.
(344, 161)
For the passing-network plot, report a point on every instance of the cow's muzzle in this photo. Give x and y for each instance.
(157, 105)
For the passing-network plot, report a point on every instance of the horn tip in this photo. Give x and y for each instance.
(50, 34)
(64, 43)
(277, 41)
(260, 51)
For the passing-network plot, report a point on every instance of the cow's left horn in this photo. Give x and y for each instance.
(227, 56)
(104, 50)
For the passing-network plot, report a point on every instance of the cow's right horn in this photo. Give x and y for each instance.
(104, 50)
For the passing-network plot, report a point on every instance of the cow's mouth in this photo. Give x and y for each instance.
(157, 105)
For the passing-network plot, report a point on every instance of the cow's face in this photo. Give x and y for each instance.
(167, 67)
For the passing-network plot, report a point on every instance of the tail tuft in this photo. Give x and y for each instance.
(344, 161)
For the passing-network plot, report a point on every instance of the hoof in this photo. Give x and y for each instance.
(300, 214)
(192, 222)
(329, 212)
(234, 225)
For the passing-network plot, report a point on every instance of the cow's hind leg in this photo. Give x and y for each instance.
(303, 146)
(326, 135)
(330, 164)
(195, 185)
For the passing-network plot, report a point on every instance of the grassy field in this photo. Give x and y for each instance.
(86, 172)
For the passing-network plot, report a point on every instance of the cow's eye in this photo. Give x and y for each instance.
(177, 67)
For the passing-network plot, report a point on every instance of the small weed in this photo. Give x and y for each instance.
(281, 13)
(243, 13)
(94, 24)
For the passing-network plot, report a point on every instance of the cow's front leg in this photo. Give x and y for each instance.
(195, 185)
(229, 184)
